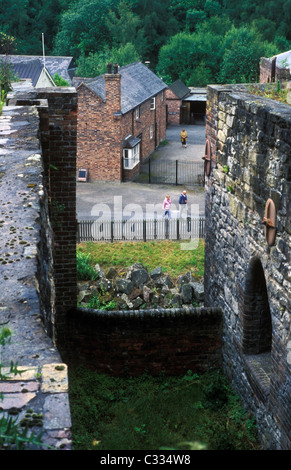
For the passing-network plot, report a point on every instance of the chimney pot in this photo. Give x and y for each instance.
(115, 68)
(109, 67)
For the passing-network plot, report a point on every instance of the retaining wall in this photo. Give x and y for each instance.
(172, 341)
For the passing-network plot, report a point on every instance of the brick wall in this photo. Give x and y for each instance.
(101, 130)
(171, 341)
(58, 132)
(59, 142)
(270, 72)
(173, 105)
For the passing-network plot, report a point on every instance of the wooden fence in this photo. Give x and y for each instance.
(145, 230)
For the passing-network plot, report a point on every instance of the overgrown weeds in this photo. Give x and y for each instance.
(113, 413)
(273, 91)
(12, 435)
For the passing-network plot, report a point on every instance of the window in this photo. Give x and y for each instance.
(137, 112)
(131, 157)
(151, 132)
(162, 96)
(153, 103)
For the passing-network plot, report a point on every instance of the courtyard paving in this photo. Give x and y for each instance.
(125, 200)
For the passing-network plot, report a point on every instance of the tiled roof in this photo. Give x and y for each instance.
(31, 69)
(179, 89)
(138, 84)
(64, 66)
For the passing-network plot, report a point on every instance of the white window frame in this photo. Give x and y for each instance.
(151, 132)
(131, 157)
(137, 112)
(153, 103)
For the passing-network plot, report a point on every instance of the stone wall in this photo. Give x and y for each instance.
(270, 72)
(133, 342)
(245, 275)
(38, 266)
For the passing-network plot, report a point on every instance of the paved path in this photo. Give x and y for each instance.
(125, 200)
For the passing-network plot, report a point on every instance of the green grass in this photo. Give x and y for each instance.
(166, 253)
(144, 413)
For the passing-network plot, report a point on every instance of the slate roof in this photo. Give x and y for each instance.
(31, 69)
(64, 66)
(138, 84)
(179, 89)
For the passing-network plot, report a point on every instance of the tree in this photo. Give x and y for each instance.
(243, 48)
(158, 23)
(191, 56)
(7, 43)
(95, 64)
(124, 26)
(83, 28)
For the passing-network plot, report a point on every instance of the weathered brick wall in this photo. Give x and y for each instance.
(270, 72)
(173, 105)
(251, 142)
(98, 140)
(101, 130)
(171, 341)
(58, 132)
(60, 155)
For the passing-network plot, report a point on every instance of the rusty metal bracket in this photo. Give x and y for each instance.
(207, 158)
(269, 222)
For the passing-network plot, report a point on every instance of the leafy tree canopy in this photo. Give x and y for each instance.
(199, 41)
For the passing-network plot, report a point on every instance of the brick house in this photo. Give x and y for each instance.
(174, 99)
(185, 105)
(121, 120)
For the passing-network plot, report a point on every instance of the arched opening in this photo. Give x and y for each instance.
(257, 324)
(257, 331)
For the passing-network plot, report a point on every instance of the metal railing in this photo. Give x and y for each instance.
(144, 230)
(176, 172)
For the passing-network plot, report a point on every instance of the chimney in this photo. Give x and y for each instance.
(113, 90)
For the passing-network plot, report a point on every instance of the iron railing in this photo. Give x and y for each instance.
(176, 172)
(144, 230)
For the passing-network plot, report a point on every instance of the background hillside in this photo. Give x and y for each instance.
(199, 41)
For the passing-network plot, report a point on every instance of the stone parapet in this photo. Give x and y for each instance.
(28, 299)
(245, 275)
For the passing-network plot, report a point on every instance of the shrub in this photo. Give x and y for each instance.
(85, 271)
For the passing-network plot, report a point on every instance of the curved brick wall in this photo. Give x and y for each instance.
(132, 342)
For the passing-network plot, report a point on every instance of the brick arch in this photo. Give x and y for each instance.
(257, 323)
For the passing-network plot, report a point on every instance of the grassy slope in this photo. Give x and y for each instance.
(167, 254)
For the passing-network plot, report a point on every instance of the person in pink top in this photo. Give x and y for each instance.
(167, 206)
